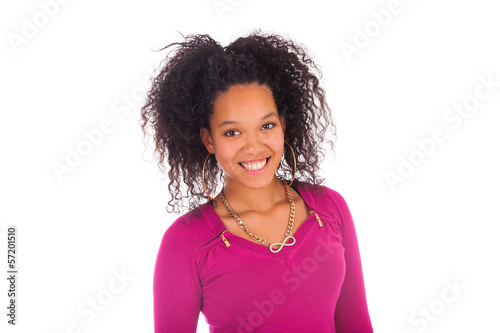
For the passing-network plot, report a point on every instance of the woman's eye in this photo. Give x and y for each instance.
(269, 125)
(230, 133)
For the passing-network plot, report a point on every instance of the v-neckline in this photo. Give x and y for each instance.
(247, 245)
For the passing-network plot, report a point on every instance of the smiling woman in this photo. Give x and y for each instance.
(274, 251)
(247, 135)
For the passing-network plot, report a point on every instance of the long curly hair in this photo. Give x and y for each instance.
(196, 71)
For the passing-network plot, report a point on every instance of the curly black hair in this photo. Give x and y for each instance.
(180, 103)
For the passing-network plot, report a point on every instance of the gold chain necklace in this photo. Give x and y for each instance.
(288, 234)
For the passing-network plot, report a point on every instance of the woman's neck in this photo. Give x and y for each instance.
(244, 199)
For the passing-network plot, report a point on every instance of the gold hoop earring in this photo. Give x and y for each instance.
(203, 178)
(294, 166)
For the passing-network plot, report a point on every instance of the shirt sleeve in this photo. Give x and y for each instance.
(351, 313)
(176, 286)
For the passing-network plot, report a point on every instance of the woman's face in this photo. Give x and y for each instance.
(247, 135)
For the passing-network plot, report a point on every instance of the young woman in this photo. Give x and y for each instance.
(274, 251)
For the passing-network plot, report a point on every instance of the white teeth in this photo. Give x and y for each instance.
(254, 166)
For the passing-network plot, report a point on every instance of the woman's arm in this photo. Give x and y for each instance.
(351, 314)
(176, 286)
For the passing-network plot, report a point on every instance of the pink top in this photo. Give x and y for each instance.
(315, 285)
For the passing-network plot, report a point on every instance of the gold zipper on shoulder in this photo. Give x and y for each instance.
(224, 238)
(317, 217)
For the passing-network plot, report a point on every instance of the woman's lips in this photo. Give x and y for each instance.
(255, 166)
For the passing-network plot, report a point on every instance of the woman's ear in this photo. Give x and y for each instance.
(206, 138)
(283, 124)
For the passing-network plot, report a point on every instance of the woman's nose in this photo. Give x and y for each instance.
(253, 141)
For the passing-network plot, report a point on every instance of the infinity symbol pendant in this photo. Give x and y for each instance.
(284, 243)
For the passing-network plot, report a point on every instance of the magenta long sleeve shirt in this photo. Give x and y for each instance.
(316, 285)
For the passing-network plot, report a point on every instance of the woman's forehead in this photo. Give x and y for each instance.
(244, 103)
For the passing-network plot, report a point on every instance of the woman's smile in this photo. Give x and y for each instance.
(256, 166)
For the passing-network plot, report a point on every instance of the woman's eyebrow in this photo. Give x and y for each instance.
(231, 122)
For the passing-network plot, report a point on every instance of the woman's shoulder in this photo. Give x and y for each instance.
(318, 192)
(324, 199)
(198, 225)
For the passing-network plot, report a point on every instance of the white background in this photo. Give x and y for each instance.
(106, 214)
